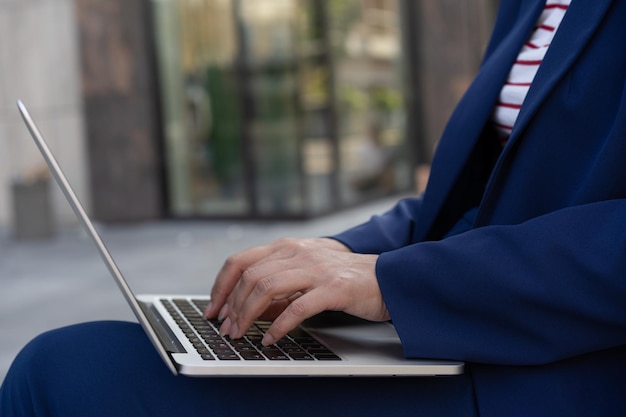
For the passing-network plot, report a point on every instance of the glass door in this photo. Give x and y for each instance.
(280, 108)
(368, 69)
(200, 92)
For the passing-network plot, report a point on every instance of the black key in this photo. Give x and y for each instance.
(282, 357)
(285, 344)
(228, 356)
(239, 342)
(275, 355)
(289, 351)
(300, 356)
(327, 357)
(220, 345)
(263, 325)
(201, 304)
(322, 351)
(255, 340)
(241, 349)
(211, 339)
(312, 345)
(252, 356)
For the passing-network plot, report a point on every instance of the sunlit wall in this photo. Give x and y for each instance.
(39, 64)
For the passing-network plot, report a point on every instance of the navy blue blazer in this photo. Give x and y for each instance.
(531, 292)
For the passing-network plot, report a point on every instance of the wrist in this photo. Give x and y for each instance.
(333, 244)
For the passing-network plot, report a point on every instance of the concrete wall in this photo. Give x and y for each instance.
(120, 101)
(451, 39)
(39, 64)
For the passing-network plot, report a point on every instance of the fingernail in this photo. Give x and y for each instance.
(208, 308)
(267, 340)
(225, 327)
(223, 312)
(234, 331)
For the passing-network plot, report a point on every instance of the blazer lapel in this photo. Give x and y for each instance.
(472, 113)
(579, 24)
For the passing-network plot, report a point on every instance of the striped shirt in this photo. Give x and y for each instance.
(525, 67)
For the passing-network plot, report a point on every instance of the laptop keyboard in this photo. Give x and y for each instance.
(204, 335)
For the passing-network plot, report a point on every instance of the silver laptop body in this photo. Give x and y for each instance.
(359, 347)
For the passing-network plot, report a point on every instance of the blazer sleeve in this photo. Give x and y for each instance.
(547, 289)
(386, 232)
(545, 278)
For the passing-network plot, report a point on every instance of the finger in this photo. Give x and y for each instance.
(235, 265)
(299, 310)
(224, 312)
(287, 255)
(269, 289)
(259, 277)
(271, 312)
(228, 276)
(277, 307)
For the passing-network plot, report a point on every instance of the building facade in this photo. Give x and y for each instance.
(39, 63)
(231, 108)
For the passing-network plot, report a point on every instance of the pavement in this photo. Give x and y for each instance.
(59, 281)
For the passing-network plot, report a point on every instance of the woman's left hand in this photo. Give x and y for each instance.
(297, 279)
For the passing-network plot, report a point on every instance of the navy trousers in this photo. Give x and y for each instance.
(111, 369)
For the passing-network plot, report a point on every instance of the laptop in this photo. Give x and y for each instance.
(329, 344)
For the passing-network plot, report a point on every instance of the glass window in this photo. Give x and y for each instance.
(317, 109)
(280, 107)
(367, 66)
(270, 61)
(200, 94)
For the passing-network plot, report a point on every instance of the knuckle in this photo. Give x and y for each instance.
(297, 308)
(337, 285)
(264, 286)
(217, 293)
(247, 276)
(278, 329)
(284, 241)
(232, 262)
(290, 242)
(314, 258)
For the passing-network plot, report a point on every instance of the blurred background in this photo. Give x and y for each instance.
(295, 116)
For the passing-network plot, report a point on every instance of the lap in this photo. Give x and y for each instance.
(110, 368)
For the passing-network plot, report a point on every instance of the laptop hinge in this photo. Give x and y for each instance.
(164, 333)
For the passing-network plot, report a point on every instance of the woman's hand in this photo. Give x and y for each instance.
(291, 280)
